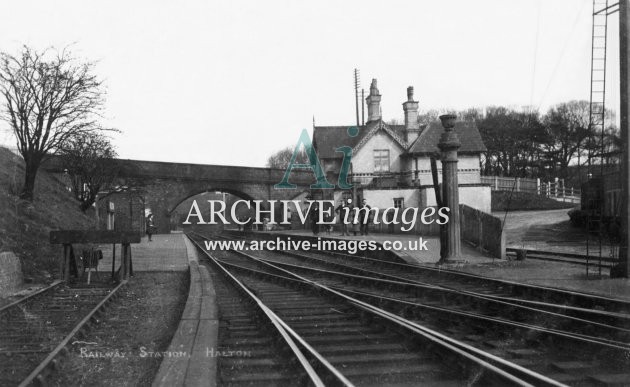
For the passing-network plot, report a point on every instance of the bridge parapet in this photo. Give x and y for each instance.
(163, 185)
(168, 170)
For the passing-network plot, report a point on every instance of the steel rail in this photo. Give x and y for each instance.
(625, 303)
(610, 344)
(281, 326)
(427, 333)
(565, 334)
(583, 257)
(32, 295)
(513, 300)
(468, 352)
(36, 374)
(298, 281)
(431, 287)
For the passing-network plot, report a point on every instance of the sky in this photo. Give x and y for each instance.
(231, 82)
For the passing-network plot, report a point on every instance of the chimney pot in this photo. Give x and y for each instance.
(410, 107)
(374, 102)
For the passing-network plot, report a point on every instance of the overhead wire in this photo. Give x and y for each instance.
(562, 52)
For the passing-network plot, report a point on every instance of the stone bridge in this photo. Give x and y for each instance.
(162, 186)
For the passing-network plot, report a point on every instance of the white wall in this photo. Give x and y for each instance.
(467, 167)
(385, 198)
(476, 197)
(363, 160)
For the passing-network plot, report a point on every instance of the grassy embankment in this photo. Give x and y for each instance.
(523, 201)
(25, 227)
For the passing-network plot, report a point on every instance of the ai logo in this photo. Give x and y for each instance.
(315, 165)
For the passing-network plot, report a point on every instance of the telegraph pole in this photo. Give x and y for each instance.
(624, 74)
(356, 94)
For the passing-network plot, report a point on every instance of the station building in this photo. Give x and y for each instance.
(391, 164)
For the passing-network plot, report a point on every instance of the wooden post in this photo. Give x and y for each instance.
(68, 237)
(126, 261)
(113, 261)
(130, 263)
(124, 267)
(67, 248)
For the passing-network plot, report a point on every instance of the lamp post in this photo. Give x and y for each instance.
(449, 144)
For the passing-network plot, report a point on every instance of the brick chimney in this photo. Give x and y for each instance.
(412, 127)
(374, 103)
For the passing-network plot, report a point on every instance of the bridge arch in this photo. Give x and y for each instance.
(197, 192)
(165, 185)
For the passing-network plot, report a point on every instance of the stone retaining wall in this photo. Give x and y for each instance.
(10, 273)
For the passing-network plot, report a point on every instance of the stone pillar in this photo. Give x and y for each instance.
(449, 144)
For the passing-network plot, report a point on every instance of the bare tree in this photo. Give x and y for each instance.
(513, 140)
(49, 97)
(568, 129)
(89, 161)
(428, 116)
(282, 158)
(395, 121)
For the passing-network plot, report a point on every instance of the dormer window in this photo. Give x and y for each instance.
(381, 160)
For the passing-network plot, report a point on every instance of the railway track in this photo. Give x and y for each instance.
(618, 323)
(568, 349)
(576, 259)
(572, 303)
(37, 328)
(252, 349)
(364, 343)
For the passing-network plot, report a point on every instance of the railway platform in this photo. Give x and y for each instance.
(166, 252)
(197, 332)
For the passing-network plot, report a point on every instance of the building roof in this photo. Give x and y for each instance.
(328, 138)
(467, 132)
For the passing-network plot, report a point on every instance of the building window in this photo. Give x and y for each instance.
(399, 202)
(381, 160)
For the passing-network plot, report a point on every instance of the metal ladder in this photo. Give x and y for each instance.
(598, 71)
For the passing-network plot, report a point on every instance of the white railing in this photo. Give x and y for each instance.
(554, 189)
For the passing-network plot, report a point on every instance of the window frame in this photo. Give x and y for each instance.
(380, 160)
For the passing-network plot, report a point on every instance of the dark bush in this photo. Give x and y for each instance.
(578, 217)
